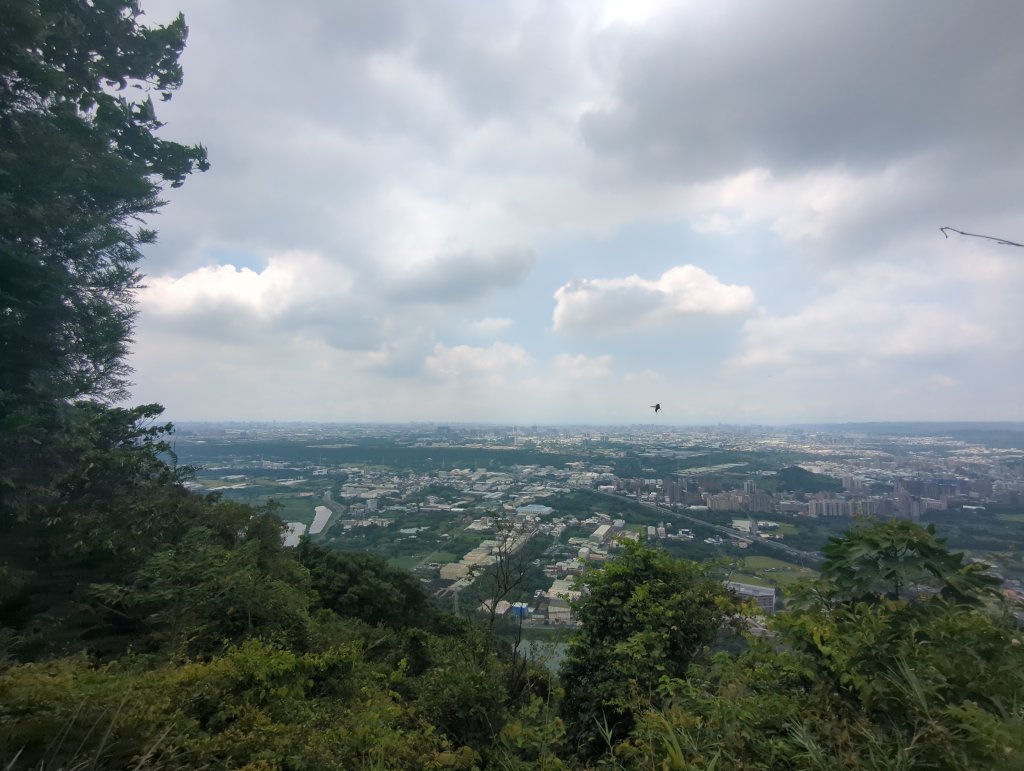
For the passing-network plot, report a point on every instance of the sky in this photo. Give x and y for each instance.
(565, 212)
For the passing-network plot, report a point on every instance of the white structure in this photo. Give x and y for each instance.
(764, 596)
(294, 532)
(323, 514)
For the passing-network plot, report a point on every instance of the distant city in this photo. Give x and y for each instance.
(448, 502)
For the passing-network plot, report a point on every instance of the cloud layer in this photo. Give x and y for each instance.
(561, 211)
(622, 305)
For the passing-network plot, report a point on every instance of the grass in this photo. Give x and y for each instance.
(443, 557)
(758, 562)
(769, 571)
(405, 563)
(410, 561)
(1010, 517)
(297, 509)
(789, 577)
(748, 578)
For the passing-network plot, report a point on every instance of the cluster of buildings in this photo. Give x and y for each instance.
(875, 475)
(487, 553)
(890, 494)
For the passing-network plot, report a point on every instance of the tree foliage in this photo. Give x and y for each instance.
(863, 680)
(797, 479)
(644, 617)
(897, 559)
(363, 586)
(81, 164)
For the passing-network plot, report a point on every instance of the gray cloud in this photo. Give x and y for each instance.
(463, 275)
(789, 86)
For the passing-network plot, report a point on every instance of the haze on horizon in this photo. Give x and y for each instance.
(563, 212)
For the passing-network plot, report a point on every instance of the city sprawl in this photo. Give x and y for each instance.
(450, 503)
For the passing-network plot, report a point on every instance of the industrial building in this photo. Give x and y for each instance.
(764, 596)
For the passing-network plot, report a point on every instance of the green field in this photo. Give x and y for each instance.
(785, 578)
(1010, 517)
(297, 509)
(747, 578)
(769, 571)
(443, 557)
(758, 562)
(405, 563)
(409, 561)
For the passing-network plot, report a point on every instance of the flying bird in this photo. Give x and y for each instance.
(656, 407)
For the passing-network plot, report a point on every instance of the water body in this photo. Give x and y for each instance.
(549, 653)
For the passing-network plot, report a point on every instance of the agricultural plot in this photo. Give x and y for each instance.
(769, 571)
(296, 509)
(749, 578)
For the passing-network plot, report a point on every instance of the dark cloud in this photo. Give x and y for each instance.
(463, 276)
(791, 85)
(500, 60)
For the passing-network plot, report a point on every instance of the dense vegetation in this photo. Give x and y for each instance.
(146, 627)
(800, 480)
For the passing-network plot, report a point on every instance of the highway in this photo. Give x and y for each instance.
(812, 557)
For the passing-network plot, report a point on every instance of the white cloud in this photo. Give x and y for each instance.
(296, 295)
(937, 381)
(799, 207)
(610, 305)
(583, 367)
(842, 328)
(489, 326)
(287, 278)
(878, 313)
(464, 361)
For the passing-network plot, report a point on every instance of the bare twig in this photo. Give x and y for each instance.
(1002, 241)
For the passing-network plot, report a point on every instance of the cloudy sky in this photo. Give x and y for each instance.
(567, 211)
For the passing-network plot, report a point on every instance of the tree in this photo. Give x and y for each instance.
(501, 582)
(96, 505)
(643, 617)
(899, 558)
(868, 676)
(363, 586)
(85, 488)
(82, 164)
(227, 579)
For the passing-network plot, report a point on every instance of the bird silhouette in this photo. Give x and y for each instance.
(656, 407)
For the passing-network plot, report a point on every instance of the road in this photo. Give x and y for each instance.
(813, 557)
